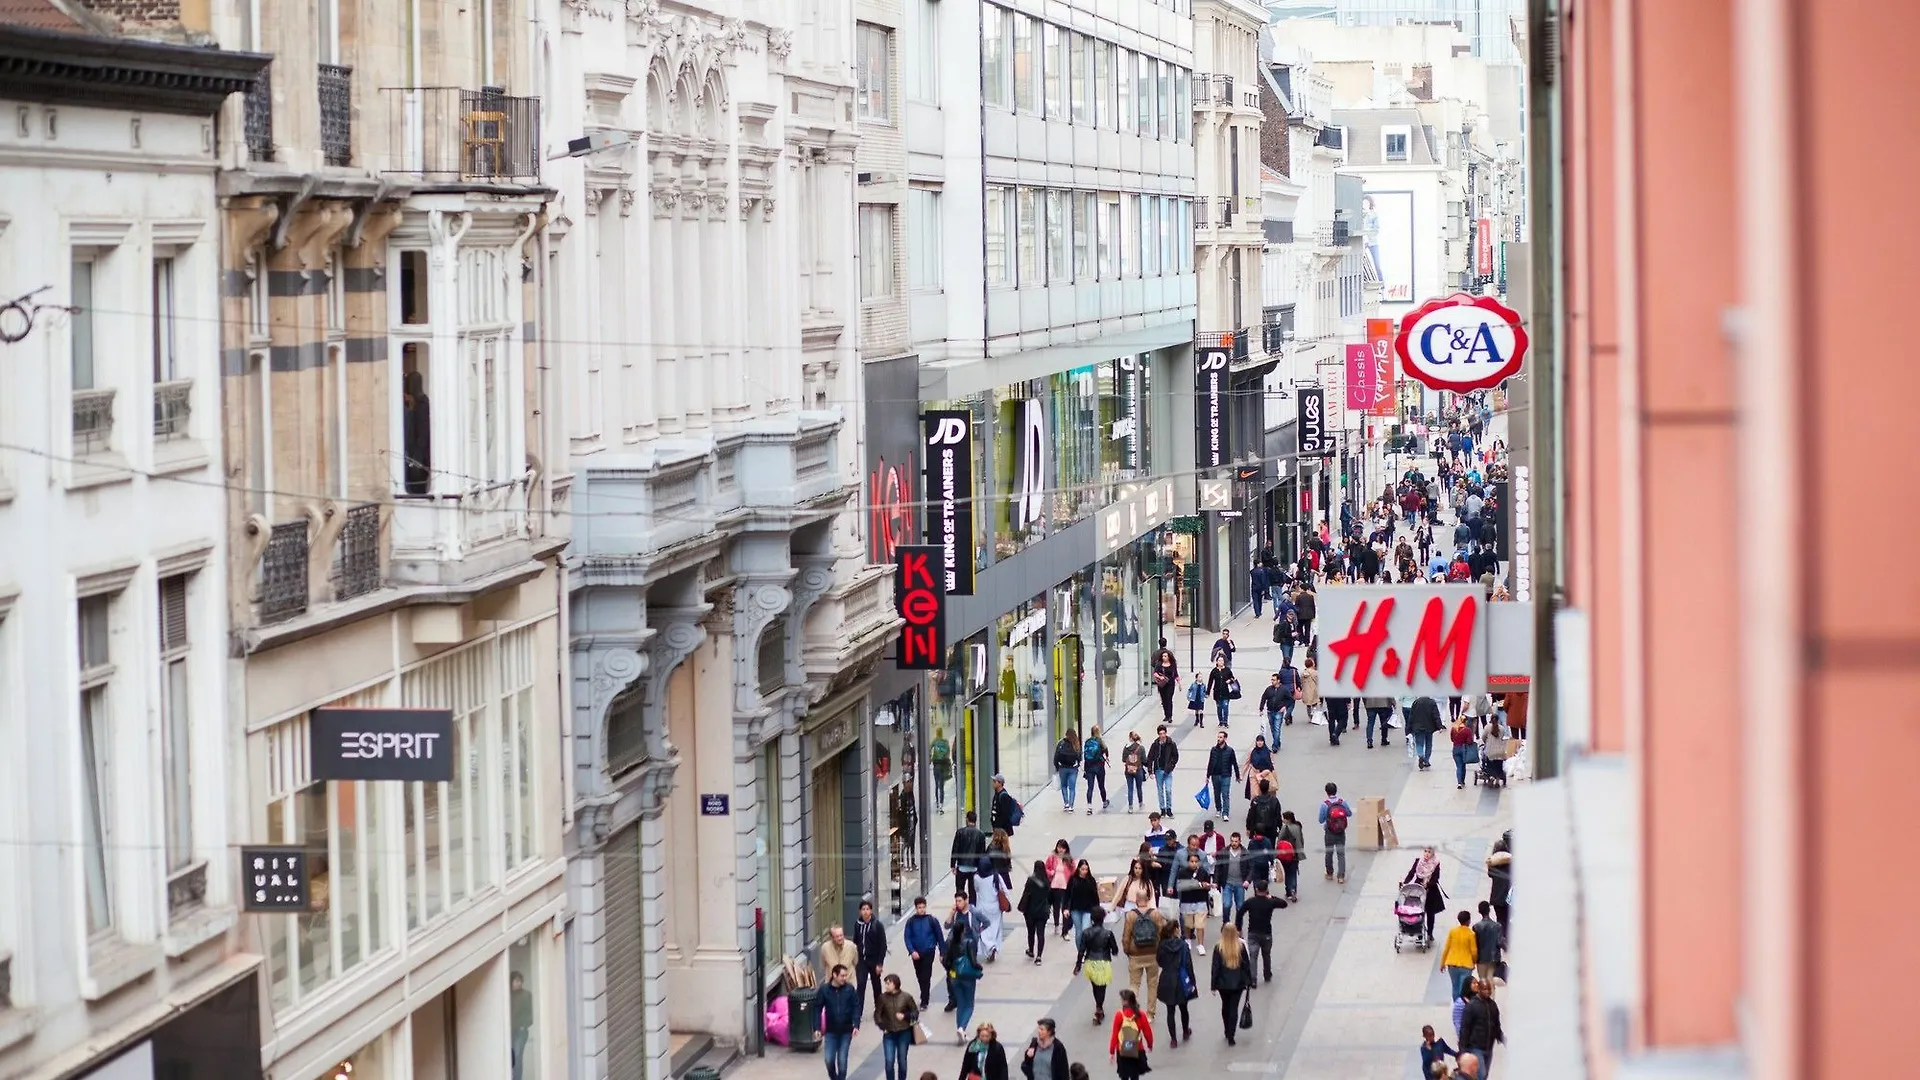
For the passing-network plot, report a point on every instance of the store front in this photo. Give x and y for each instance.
(836, 817)
(962, 715)
(900, 777)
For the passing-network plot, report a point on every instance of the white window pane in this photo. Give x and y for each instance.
(95, 739)
(1056, 71)
(1079, 57)
(923, 240)
(999, 272)
(80, 324)
(1059, 232)
(1027, 233)
(1026, 65)
(876, 252)
(994, 70)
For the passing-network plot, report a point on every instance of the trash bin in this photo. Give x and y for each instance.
(702, 1073)
(803, 1018)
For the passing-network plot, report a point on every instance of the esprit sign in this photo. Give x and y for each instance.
(949, 437)
(1402, 640)
(1313, 422)
(382, 744)
(1210, 394)
(921, 602)
(1461, 343)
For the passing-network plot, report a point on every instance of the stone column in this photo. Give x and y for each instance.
(690, 255)
(660, 331)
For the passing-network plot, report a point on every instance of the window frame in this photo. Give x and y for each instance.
(1059, 233)
(1029, 264)
(877, 278)
(1053, 73)
(1079, 77)
(1002, 195)
(1390, 131)
(175, 709)
(925, 241)
(870, 84)
(1028, 92)
(94, 712)
(996, 75)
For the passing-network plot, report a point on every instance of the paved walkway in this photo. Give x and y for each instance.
(1344, 1005)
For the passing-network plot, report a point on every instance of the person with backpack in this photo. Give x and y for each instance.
(1133, 765)
(1196, 703)
(1162, 757)
(1259, 859)
(1140, 932)
(1093, 758)
(1274, 702)
(1132, 1038)
(1334, 815)
(940, 756)
(1097, 949)
(1286, 630)
(1263, 814)
(1176, 985)
(1007, 811)
(1289, 849)
(1036, 903)
(1066, 766)
(1294, 684)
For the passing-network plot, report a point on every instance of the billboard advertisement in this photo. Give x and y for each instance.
(1388, 217)
(920, 600)
(1314, 440)
(1402, 640)
(1380, 345)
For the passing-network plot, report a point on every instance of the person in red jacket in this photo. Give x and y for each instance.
(1129, 1054)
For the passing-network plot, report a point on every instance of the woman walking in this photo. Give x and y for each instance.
(1139, 890)
(1132, 1038)
(1461, 735)
(1097, 949)
(896, 1014)
(1230, 972)
(1222, 687)
(1175, 987)
(1094, 756)
(1036, 903)
(1059, 870)
(1166, 681)
(1310, 688)
(962, 958)
(995, 890)
(1426, 871)
(984, 1058)
(1083, 904)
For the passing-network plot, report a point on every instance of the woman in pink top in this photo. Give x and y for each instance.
(1059, 869)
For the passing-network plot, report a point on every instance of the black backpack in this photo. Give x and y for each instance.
(1063, 755)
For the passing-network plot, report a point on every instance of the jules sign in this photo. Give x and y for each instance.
(1461, 343)
(922, 604)
(949, 439)
(382, 744)
(1210, 376)
(1401, 640)
(1312, 406)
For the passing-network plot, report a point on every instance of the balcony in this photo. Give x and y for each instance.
(1215, 211)
(283, 572)
(454, 538)
(336, 114)
(1239, 341)
(1214, 90)
(259, 117)
(450, 135)
(92, 422)
(356, 554)
(172, 408)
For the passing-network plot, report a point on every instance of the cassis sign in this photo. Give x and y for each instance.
(949, 439)
(382, 744)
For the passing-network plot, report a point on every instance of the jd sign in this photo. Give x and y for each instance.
(1462, 343)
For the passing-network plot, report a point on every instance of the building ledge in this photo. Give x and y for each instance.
(115, 964)
(196, 928)
(17, 1026)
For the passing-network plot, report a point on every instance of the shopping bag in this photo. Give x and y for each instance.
(1246, 1014)
(1204, 797)
(1472, 753)
(920, 1034)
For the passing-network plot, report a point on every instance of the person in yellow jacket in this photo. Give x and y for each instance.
(1459, 954)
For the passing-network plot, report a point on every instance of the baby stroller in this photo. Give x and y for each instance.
(1411, 911)
(1494, 752)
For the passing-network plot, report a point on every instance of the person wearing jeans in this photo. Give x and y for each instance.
(896, 1015)
(1066, 767)
(1336, 841)
(1380, 714)
(1220, 685)
(840, 1008)
(1162, 756)
(1223, 770)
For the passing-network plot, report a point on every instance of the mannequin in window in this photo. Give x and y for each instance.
(416, 433)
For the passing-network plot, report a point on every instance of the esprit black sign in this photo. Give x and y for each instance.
(949, 437)
(1313, 422)
(919, 600)
(382, 744)
(273, 878)
(1210, 404)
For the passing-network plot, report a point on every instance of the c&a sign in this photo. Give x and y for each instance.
(1401, 640)
(920, 598)
(1462, 343)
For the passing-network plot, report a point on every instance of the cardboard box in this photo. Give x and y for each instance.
(1389, 836)
(1108, 888)
(1364, 830)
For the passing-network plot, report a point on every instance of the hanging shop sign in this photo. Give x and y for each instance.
(1483, 248)
(1400, 640)
(1030, 461)
(949, 436)
(382, 744)
(1380, 349)
(892, 507)
(1140, 509)
(1462, 343)
(1359, 378)
(1520, 528)
(273, 877)
(922, 604)
(1312, 406)
(1210, 404)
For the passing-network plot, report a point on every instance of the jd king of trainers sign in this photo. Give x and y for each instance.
(382, 744)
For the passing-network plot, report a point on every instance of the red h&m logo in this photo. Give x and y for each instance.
(1423, 640)
(920, 599)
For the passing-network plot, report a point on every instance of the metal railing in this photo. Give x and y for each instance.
(1236, 340)
(336, 113)
(283, 572)
(1216, 211)
(449, 134)
(259, 117)
(172, 407)
(356, 557)
(186, 890)
(1213, 89)
(92, 421)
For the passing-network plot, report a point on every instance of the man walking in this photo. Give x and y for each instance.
(1162, 756)
(1379, 711)
(839, 1020)
(923, 939)
(1223, 769)
(1480, 1027)
(1334, 815)
(1255, 919)
(1423, 719)
(1006, 809)
(1139, 937)
(871, 939)
(1487, 944)
(1274, 701)
(969, 844)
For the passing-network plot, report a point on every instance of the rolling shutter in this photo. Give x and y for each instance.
(626, 1021)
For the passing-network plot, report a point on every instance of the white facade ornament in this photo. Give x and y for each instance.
(766, 208)
(664, 200)
(779, 43)
(626, 202)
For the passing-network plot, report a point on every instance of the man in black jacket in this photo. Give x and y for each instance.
(969, 843)
(1223, 768)
(1162, 756)
(1005, 806)
(1480, 1027)
(1255, 918)
(1263, 814)
(1423, 719)
(871, 939)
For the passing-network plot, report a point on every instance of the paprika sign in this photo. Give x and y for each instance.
(1461, 343)
(920, 598)
(1380, 347)
(1402, 640)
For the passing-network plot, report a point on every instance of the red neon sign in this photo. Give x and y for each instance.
(921, 601)
(893, 512)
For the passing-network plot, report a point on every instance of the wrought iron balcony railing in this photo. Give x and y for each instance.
(259, 117)
(92, 421)
(283, 572)
(356, 559)
(448, 134)
(172, 407)
(336, 114)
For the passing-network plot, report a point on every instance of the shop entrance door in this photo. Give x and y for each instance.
(1069, 668)
(829, 862)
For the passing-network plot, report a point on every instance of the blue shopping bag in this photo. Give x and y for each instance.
(1204, 797)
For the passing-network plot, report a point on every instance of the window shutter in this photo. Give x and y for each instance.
(173, 613)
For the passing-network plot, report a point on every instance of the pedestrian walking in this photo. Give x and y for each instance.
(1274, 702)
(962, 957)
(1083, 903)
(1255, 920)
(1194, 886)
(1500, 877)
(1132, 1038)
(984, 1058)
(1230, 869)
(1480, 1028)
(1379, 712)
(1140, 935)
(1259, 768)
(1230, 979)
(1223, 646)
(896, 1015)
(839, 951)
(1286, 630)
(1059, 870)
(1458, 957)
(839, 1020)
(968, 850)
(1263, 813)
(1162, 757)
(921, 935)
(1310, 699)
(1222, 687)
(1307, 605)
(1066, 766)
(1423, 719)
(1334, 814)
(1036, 904)
(1007, 810)
(1133, 763)
(870, 937)
(1288, 851)
(1094, 756)
(1425, 871)
(1489, 941)
(1258, 580)
(996, 900)
(1046, 1056)
(1433, 1050)
(1097, 949)
(1175, 987)
(1138, 891)
(1197, 700)
(1223, 768)
(1166, 680)
(1465, 748)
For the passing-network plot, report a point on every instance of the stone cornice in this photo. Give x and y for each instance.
(115, 72)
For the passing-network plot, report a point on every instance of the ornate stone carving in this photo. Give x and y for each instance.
(664, 200)
(613, 671)
(679, 632)
(626, 202)
(746, 206)
(655, 785)
(692, 201)
(717, 206)
(757, 602)
(766, 208)
(729, 39)
(779, 43)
